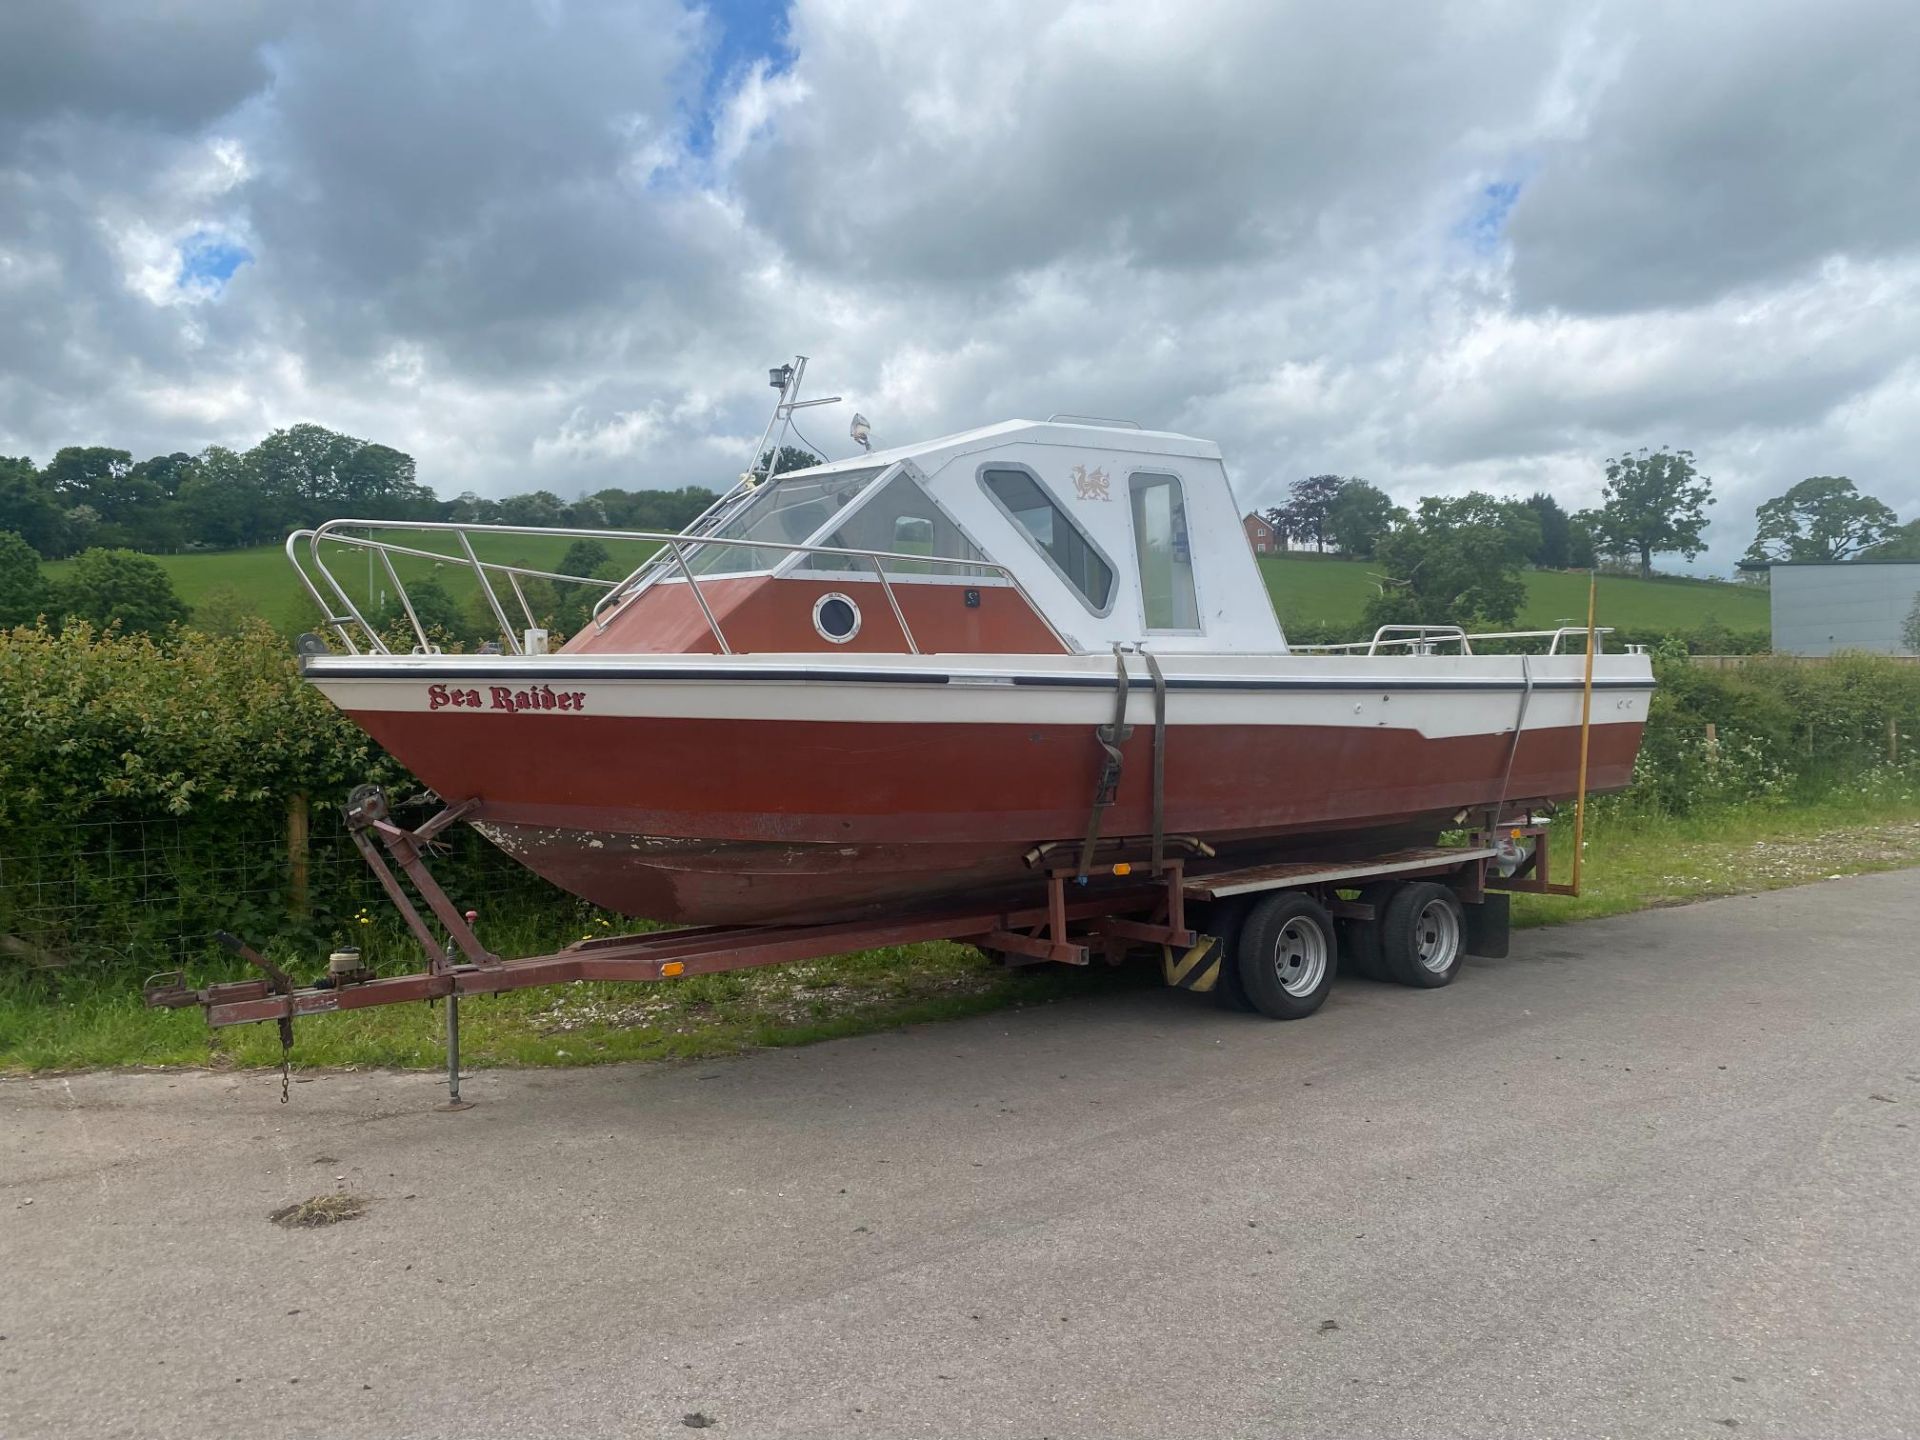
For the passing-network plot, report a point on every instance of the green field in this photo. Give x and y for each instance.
(1311, 590)
(265, 582)
(1305, 589)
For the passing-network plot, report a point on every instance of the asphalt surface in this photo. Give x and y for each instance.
(1651, 1176)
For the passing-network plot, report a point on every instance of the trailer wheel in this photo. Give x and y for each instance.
(1360, 939)
(1287, 956)
(1224, 920)
(1423, 935)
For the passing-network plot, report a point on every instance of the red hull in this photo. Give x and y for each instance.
(740, 821)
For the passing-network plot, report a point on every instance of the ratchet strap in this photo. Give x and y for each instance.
(1159, 761)
(1110, 738)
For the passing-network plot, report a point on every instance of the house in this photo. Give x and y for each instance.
(1261, 535)
(1821, 608)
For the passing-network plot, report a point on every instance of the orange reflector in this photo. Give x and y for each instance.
(672, 968)
(1123, 868)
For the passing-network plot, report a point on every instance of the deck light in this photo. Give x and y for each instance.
(779, 376)
(860, 430)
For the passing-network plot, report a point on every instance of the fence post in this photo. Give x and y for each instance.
(297, 856)
(1893, 739)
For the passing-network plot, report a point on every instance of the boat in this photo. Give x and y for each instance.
(937, 670)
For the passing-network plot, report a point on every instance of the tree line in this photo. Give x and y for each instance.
(1457, 560)
(97, 497)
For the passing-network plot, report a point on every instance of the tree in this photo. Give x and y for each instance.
(536, 508)
(1653, 503)
(29, 508)
(1282, 520)
(223, 502)
(119, 587)
(584, 557)
(572, 605)
(1580, 551)
(1821, 518)
(23, 591)
(1910, 628)
(668, 510)
(1555, 551)
(1309, 504)
(440, 615)
(1456, 563)
(792, 457)
(1901, 543)
(1362, 515)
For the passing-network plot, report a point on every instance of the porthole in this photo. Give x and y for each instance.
(836, 617)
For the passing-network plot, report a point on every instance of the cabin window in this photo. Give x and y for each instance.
(902, 519)
(1165, 553)
(1064, 544)
(787, 510)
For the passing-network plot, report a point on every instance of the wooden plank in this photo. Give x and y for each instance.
(1220, 884)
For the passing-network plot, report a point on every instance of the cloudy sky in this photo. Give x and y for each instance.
(556, 244)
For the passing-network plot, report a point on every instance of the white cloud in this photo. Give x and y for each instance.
(509, 249)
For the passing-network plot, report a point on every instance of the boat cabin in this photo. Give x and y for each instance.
(1023, 537)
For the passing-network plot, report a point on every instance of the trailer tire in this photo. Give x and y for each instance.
(1224, 920)
(1423, 935)
(1360, 952)
(1287, 955)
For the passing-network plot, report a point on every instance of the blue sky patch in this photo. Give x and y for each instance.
(744, 32)
(208, 260)
(1486, 226)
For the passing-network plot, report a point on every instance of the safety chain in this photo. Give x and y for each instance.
(286, 1058)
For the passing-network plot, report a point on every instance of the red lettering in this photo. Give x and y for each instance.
(564, 700)
(472, 698)
(436, 696)
(501, 696)
(522, 701)
(579, 701)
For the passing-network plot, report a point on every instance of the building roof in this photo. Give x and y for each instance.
(1806, 564)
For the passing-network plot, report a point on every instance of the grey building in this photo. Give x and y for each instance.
(1821, 608)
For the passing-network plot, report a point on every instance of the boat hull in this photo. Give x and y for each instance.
(740, 791)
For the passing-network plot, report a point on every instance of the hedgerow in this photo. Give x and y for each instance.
(146, 784)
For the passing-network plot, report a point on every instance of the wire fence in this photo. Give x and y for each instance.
(150, 893)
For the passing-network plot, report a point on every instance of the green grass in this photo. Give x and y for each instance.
(265, 582)
(1312, 590)
(1305, 589)
(1632, 864)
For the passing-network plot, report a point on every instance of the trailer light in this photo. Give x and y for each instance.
(1123, 868)
(673, 968)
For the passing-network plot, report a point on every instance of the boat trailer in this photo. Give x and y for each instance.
(1102, 902)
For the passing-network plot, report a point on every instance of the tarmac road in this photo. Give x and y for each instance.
(1651, 1176)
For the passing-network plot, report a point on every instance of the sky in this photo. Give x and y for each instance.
(556, 244)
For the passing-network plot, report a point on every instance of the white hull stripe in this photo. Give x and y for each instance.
(558, 672)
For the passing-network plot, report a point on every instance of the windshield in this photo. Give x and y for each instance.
(788, 511)
(902, 519)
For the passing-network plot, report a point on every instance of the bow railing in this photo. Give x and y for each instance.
(351, 624)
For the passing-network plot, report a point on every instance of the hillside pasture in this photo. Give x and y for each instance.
(1315, 590)
(265, 583)
(1306, 589)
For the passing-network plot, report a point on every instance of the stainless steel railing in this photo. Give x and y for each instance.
(1426, 639)
(347, 621)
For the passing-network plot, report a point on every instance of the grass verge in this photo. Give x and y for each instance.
(1631, 864)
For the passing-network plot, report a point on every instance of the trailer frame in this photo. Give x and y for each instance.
(1133, 893)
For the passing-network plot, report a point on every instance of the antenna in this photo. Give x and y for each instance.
(786, 379)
